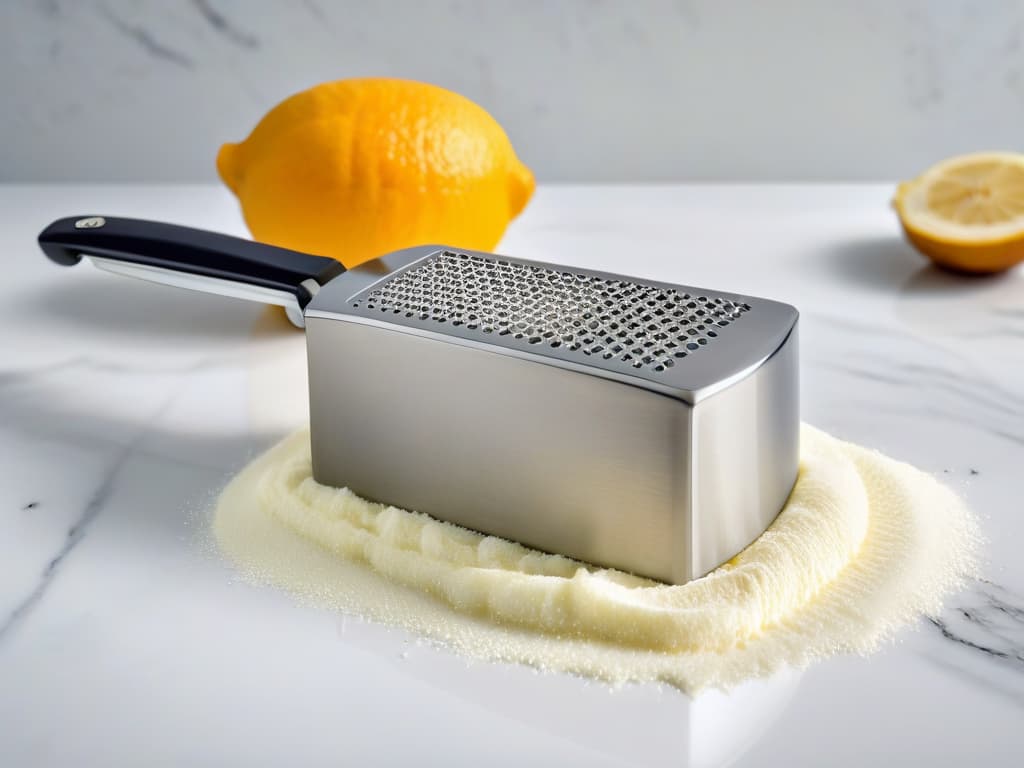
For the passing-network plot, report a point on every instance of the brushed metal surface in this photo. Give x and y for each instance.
(206, 284)
(586, 466)
(740, 345)
(664, 473)
(745, 456)
(573, 464)
(627, 423)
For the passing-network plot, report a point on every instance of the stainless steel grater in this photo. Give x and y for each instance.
(623, 422)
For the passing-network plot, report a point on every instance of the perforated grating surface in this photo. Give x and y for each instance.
(637, 325)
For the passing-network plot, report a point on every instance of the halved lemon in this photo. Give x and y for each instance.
(967, 213)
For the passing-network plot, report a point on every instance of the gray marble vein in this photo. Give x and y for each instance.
(962, 394)
(49, 8)
(74, 537)
(988, 620)
(315, 10)
(177, 649)
(907, 374)
(225, 26)
(551, 77)
(80, 527)
(978, 678)
(859, 327)
(146, 40)
(931, 413)
(28, 414)
(875, 331)
(970, 407)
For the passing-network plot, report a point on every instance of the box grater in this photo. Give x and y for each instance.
(627, 423)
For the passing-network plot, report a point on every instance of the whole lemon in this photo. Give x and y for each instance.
(355, 168)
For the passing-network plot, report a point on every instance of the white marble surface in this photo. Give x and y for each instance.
(589, 91)
(124, 407)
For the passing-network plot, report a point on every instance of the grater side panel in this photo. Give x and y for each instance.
(569, 463)
(745, 458)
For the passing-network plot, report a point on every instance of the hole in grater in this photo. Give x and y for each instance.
(621, 322)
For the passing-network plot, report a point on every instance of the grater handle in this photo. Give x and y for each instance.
(192, 258)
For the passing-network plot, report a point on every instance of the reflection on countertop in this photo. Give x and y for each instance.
(125, 407)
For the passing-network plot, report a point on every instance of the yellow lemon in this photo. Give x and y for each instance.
(967, 213)
(356, 168)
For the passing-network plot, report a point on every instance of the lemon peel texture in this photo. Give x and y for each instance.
(967, 213)
(357, 168)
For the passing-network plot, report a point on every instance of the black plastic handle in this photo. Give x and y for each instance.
(184, 249)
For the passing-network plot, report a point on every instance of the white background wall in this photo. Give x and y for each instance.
(116, 90)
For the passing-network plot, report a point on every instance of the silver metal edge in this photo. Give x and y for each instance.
(205, 284)
(696, 479)
(687, 396)
(382, 405)
(716, 368)
(399, 261)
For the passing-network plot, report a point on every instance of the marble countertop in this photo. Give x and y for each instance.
(125, 407)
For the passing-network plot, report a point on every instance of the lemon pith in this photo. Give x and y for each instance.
(967, 213)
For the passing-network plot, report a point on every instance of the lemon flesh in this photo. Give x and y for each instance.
(967, 213)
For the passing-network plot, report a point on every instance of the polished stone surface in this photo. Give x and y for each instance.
(588, 91)
(124, 407)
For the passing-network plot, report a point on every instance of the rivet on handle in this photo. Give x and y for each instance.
(90, 223)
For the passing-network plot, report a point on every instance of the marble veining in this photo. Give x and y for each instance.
(125, 407)
(146, 40)
(989, 620)
(589, 91)
(964, 394)
(999, 410)
(93, 506)
(95, 503)
(225, 26)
